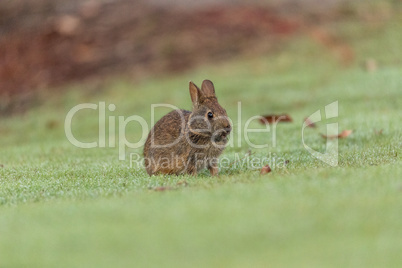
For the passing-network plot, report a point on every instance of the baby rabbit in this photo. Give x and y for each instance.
(184, 142)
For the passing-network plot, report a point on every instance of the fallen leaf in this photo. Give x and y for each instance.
(309, 123)
(51, 124)
(378, 132)
(275, 118)
(162, 189)
(341, 135)
(345, 133)
(266, 169)
(182, 182)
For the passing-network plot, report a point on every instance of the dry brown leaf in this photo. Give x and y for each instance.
(51, 124)
(341, 135)
(162, 189)
(309, 123)
(275, 118)
(345, 133)
(378, 132)
(182, 182)
(266, 169)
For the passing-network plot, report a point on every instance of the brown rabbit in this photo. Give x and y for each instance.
(183, 142)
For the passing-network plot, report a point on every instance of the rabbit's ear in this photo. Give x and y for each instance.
(208, 88)
(195, 94)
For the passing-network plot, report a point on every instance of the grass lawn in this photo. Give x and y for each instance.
(63, 206)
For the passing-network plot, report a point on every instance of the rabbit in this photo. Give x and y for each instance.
(184, 142)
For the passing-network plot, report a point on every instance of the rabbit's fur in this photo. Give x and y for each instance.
(183, 142)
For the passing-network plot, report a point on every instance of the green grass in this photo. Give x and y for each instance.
(62, 206)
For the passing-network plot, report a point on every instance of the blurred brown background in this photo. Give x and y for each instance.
(46, 43)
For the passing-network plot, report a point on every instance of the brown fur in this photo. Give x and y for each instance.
(184, 142)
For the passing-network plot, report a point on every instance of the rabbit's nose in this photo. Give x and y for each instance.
(227, 129)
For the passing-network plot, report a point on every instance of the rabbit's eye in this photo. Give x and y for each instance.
(210, 115)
